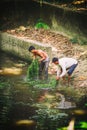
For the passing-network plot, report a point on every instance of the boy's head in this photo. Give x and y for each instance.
(55, 60)
(31, 48)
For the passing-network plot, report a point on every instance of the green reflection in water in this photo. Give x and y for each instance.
(5, 100)
(85, 104)
(63, 128)
(50, 119)
(81, 125)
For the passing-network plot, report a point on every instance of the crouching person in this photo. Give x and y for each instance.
(66, 65)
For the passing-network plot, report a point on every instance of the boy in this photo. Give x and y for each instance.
(43, 61)
(67, 65)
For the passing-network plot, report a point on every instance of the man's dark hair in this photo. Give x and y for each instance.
(54, 59)
(31, 48)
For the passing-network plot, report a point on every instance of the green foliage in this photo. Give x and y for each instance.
(74, 40)
(63, 128)
(33, 77)
(85, 104)
(4, 100)
(50, 118)
(33, 70)
(81, 125)
(51, 83)
(51, 113)
(46, 84)
(83, 42)
(77, 40)
(41, 24)
(3, 84)
(82, 102)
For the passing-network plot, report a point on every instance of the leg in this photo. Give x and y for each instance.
(41, 66)
(71, 69)
(64, 79)
(69, 76)
(46, 69)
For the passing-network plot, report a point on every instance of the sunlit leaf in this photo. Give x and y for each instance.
(83, 125)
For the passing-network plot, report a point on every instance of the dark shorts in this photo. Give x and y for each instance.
(71, 69)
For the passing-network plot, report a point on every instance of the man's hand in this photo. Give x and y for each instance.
(57, 78)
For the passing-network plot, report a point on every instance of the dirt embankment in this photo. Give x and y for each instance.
(61, 46)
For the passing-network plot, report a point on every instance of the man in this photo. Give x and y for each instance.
(66, 65)
(43, 61)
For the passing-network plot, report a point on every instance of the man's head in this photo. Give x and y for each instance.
(55, 60)
(31, 48)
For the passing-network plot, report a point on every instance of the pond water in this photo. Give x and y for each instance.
(24, 107)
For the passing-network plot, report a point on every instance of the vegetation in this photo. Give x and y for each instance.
(75, 40)
(4, 101)
(3, 84)
(33, 77)
(33, 70)
(82, 102)
(51, 83)
(81, 125)
(50, 119)
(41, 24)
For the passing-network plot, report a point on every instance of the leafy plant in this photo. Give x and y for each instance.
(81, 125)
(74, 40)
(83, 42)
(33, 70)
(50, 119)
(36, 83)
(3, 84)
(41, 24)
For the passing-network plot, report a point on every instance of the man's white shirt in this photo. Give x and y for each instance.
(65, 63)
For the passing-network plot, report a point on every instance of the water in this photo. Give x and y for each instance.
(23, 107)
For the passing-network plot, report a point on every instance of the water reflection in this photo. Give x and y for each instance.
(5, 101)
(11, 71)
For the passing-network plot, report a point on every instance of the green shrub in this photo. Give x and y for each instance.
(41, 24)
(33, 70)
(74, 40)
